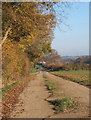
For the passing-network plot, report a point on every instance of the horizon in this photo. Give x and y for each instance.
(74, 55)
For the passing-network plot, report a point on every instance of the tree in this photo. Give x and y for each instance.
(27, 34)
(28, 27)
(51, 57)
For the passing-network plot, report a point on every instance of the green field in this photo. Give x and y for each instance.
(79, 76)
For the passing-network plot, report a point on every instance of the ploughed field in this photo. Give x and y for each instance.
(79, 76)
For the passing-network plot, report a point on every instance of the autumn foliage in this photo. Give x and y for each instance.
(29, 37)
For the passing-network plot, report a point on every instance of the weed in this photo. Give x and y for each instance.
(63, 104)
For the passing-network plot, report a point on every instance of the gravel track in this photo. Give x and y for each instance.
(33, 101)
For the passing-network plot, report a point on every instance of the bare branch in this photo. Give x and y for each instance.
(5, 37)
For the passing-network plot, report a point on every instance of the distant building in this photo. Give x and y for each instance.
(43, 62)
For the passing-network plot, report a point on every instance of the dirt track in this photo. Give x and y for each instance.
(33, 101)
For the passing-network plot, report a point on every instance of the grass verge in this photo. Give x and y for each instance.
(11, 93)
(44, 76)
(51, 86)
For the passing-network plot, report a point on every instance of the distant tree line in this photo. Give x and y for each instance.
(82, 63)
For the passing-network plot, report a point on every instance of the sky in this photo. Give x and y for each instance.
(73, 40)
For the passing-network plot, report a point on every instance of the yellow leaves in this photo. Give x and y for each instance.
(8, 48)
(42, 55)
(30, 39)
(13, 60)
(26, 42)
(31, 31)
(21, 46)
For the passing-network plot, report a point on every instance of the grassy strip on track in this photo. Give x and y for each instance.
(80, 76)
(44, 76)
(64, 104)
(51, 86)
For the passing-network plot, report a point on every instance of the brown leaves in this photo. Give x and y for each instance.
(11, 98)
